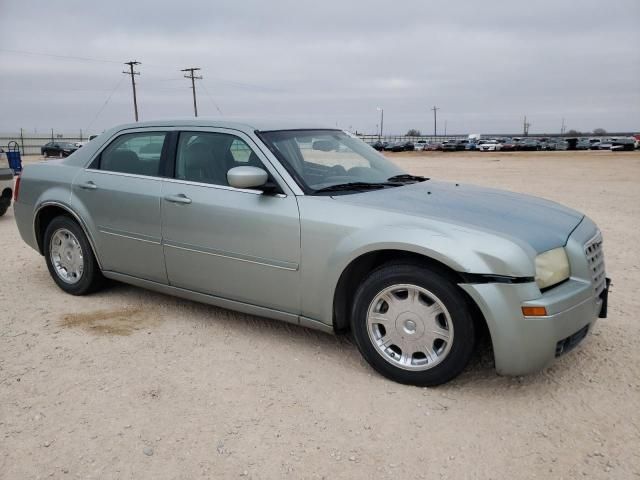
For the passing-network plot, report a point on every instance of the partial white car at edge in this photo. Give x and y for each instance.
(6, 183)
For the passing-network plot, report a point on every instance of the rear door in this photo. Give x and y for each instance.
(233, 243)
(120, 192)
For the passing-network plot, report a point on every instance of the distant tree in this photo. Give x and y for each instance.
(599, 131)
(573, 133)
(413, 133)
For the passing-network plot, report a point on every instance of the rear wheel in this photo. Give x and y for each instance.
(412, 325)
(69, 257)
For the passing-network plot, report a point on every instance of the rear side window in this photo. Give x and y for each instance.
(135, 153)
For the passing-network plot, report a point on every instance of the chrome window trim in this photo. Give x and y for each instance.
(220, 187)
(184, 182)
(123, 174)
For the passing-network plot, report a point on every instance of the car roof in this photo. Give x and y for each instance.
(262, 125)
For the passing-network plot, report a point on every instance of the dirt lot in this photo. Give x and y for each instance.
(132, 384)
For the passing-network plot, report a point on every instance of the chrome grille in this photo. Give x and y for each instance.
(595, 259)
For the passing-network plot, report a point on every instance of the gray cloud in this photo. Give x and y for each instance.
(485, 64)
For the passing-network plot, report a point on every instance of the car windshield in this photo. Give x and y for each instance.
(321, 159)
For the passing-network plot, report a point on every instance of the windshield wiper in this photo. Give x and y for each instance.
(405, 177)
(355, 186)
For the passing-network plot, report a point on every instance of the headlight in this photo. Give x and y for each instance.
(552, 267)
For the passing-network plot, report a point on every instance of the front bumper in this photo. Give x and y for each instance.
(524, 345)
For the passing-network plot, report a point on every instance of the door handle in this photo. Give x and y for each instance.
(88, 185)
(180, 198)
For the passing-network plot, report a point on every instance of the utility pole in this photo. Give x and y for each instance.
(563, 128)
(526, 126)
(445, 128)
(133, 84)
(435, 120)
(381, 110)
(193, 85)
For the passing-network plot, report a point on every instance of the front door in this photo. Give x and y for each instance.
(120, 193)
(233, 243)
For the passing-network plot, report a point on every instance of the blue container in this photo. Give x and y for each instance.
(13, 155)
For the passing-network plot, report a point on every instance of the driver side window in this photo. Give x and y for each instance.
(206, 157)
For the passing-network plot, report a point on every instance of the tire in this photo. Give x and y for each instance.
(64, 236)
(434, 313)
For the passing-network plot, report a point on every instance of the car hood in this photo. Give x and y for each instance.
(540, 223)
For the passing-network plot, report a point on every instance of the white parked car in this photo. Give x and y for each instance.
(489, 146)
(419, 145)
(6, 183)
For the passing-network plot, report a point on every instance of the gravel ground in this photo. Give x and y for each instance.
(132, 384)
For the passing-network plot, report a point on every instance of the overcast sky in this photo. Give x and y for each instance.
(484, 64)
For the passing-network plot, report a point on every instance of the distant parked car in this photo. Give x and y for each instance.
(433, 147)
(452, 146)
(509, 145)
(6, 183)
(379, 146)
(583, 144)
(530, 144)
(622, 144)
(554, 144)
(490, 146)
(400, 147)
(601, 144)
(58, 149)
(419, 145)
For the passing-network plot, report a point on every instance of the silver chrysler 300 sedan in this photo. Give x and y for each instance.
(312, 226)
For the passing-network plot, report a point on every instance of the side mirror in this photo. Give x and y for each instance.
(247, 177)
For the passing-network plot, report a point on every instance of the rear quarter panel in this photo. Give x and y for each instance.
(41, 183)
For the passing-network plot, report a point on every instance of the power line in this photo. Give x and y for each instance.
(105, 103)
(53, 55)
(133, 83)
(193, 78)
(233, 83)
(206, 91)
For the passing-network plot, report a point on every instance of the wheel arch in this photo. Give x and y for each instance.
(362, 265)
(46, 212)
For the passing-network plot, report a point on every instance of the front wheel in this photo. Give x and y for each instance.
(412, 325)
(69, 257)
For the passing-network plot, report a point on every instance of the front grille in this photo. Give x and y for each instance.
(567, 344)
(595, 259)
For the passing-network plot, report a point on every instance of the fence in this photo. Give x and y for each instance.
(30, 145)
(403, 138)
